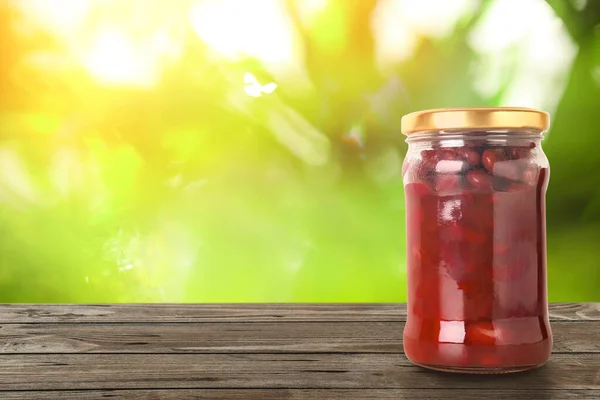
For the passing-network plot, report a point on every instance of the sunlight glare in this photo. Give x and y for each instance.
(435, 18)
(538, 55)
(308, 10)
(115, 59)
(254, 88)
(397, 24)
(63, 19)
(116, 49)
(394, 40)
(235, 29)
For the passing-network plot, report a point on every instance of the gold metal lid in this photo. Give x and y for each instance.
(524, 120)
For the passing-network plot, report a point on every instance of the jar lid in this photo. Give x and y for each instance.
(522, 119)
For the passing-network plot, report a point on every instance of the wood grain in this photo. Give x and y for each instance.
(262, 351)
(181, 313)
(306, 394)
(289, 337)
(248, 313)
(275, 371)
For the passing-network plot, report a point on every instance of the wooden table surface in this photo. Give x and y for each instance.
(262, 351)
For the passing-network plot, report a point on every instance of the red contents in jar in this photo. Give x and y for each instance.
(476, 259)
(471, 156)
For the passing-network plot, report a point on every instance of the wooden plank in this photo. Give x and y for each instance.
(574, 311)
(300, 394)
(582, 337)
(181, 313)
(291, 337)
(274, 371)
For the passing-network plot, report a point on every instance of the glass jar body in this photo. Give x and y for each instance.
(476, 252)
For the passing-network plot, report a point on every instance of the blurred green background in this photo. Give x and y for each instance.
(224, 151)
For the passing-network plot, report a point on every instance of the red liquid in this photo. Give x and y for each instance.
(477, 263)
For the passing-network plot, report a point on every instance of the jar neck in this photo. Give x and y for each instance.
(461, 138)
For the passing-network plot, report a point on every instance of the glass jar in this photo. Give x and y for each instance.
(475, 183)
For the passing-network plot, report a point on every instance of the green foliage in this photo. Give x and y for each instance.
(195, 191)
